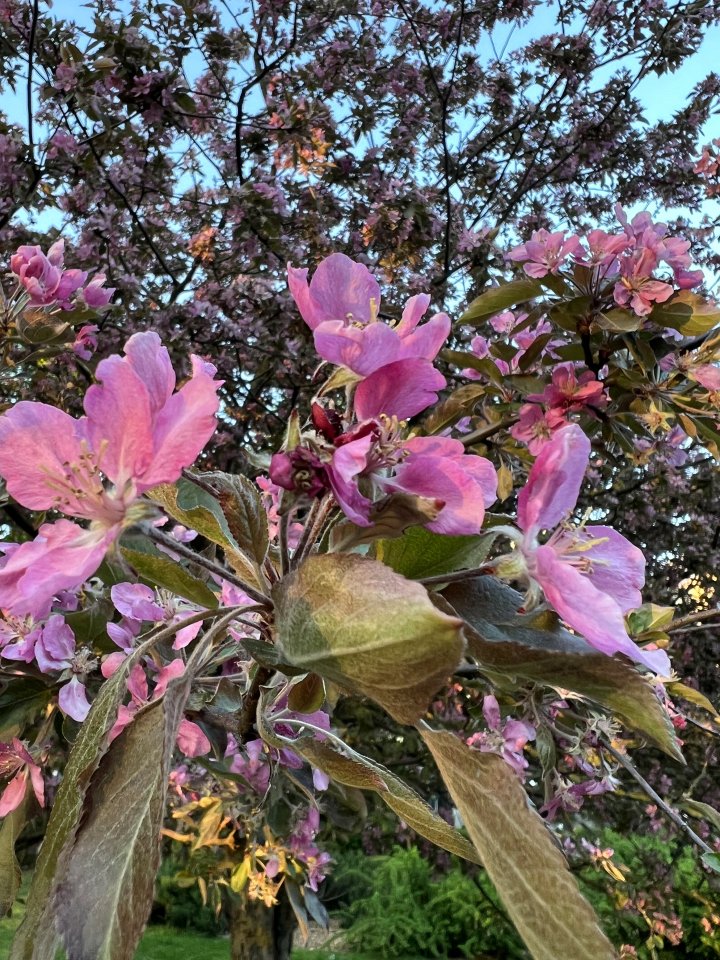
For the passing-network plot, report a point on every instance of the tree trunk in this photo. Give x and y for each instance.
(258, 932)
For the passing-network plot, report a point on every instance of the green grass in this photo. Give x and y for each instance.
(163, 943)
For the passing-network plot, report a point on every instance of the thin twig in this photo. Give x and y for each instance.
(693, 618)
(668, 810)
(181, 550)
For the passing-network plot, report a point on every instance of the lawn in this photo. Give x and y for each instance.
(163, 943)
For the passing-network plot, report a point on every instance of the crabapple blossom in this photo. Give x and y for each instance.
(16, 763)
(136, 433)
(545, 252)
(508, 739)
(591, 575)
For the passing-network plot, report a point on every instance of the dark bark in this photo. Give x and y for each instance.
(261, 933)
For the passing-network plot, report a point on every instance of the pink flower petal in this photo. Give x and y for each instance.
(191, 740)
(339, 290)
(554, 483)
(402, 389)
(73, 700)
(12, 795)
(591, 612)
(37, 442)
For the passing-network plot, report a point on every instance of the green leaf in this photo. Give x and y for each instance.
(10, 873)
(358, 623)
(619, 320)
(36, 937)
(687, 312)
(242, 505)
(496, 299)
(351, 769)
(422, 553)
(161, 571)
(460, 403)
(535, 647)
(684, 692)
(483, 365)
(196, 508)
(22, 700)
(711, 861)
(650, 616)
(703, 811)
(105, 892)
(520, 855)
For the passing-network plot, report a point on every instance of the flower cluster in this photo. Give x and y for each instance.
(137, 433)
(46, 282)
(591, 575)
(624, 263)
(368, 455)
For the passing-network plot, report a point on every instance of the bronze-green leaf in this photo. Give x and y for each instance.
(161, 571)
(105, 891)
(521, 858)
(536, 647)
(351, 769)
(10, 873)
(358, 623)
(422, 553)
(242, 505)
(36, 937)
(495, 299)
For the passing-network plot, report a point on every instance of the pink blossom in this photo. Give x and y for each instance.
(341, 306)
(568, 393)
(44, 277)
(535, 427)
(96, 294)
(17, 764)
(545, 252)
(85, 343)
(591, 575)
(136, 433)
(707, 375)
(508, 739)
(340, 290)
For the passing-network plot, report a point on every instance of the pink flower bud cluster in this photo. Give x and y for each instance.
(708, 166)
(47, 283)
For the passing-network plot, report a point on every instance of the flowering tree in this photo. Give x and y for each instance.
(198, 611)
(189, 152)
(449, 521)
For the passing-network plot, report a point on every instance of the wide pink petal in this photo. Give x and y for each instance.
(151, 361)
(120, 426)
(440, 478)
(361, 349)
(182, 428)
(169, 672)
(554, 483)
(401, 389)
(38, 783)
(348, 461)
(617, 567)
(589, 611)
(37, 441)
(191, 740)
(300, 290)
(413, 313)
(435, 447)
(13, 794)
(73, 701)
(426, 340)
(137, 601)
(56, 645)
(342, 289)
(61, 557)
